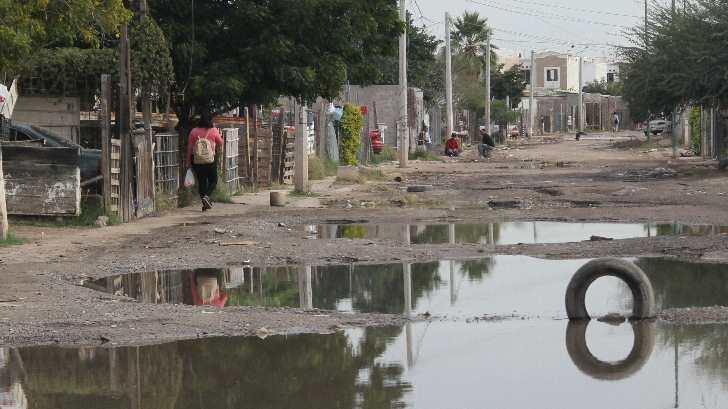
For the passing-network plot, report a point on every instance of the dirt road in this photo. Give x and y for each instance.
(556, 179)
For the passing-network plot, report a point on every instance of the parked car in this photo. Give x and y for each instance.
(90, 158)
(658, 126)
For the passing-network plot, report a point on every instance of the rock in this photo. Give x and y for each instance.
(600, 238)
(612, 319)
(263, 333)
(101, 221)
(220, 231)
(282, 225)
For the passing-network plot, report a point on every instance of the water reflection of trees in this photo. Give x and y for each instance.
(372, 288)
(679, 284)
(464, 233)
(307, 371)
(708, 340)
(476, 270)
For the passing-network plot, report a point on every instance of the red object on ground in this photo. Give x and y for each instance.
(377, 141)
(452, 144)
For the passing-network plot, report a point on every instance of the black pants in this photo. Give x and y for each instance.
(206, 178)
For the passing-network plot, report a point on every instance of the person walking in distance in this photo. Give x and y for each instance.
(615, 123)
(202, 147)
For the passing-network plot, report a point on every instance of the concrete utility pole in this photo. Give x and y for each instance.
(649, 114)
(3, 204)
(487, 85)
(532, 99)
(301, 174)
(404, 131)
(581, 95)
(448, 77)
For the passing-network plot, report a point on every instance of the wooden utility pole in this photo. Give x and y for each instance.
(487, 85)
(125, 122)
(105, 119)
(3, 204)
(404, 131)
(301, 175)
(448, 77)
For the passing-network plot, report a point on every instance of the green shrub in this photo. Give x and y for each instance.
(12, 240)
(351, 124)
(425, 156)
(319, 168)
(388, 154)
(695, 133)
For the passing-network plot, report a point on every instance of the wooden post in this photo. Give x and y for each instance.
(105, 118)
(254, 156)
(3, 206)
(125, 121)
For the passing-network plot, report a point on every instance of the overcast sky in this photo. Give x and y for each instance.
(521, 25)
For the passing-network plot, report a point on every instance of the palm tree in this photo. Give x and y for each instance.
(471, 34)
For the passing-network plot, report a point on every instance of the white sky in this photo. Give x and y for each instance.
(522, 25)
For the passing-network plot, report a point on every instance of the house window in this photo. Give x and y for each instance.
(611, 77)
(552, 74)
(527, 76)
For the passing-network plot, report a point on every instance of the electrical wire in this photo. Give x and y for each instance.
(496, 6)
(580, 10)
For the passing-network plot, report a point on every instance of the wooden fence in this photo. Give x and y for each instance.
(231, 153)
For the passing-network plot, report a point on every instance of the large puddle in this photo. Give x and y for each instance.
(509, 364)
(504, 343)
(506, 233)
(500, 285)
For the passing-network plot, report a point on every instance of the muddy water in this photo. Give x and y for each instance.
(505, 233)
(497, 286)
(509, 364)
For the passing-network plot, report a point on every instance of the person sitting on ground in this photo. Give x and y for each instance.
(452, 146)
(202, 147)
(487, 144)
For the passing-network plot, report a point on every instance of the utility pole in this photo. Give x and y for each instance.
(649, 115)
(3, 204)
(532, 99)
(487, 85)
(448, 77)
(301, 174)
(581, 95)
(404, 130)
(672, 121)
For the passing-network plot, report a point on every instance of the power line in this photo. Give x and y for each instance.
(490, 4)
(591, 11)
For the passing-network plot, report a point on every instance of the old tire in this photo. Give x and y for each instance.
(638, 282)
(581, 356)
(418, 188)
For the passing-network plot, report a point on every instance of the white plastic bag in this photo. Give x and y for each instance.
(189, 179)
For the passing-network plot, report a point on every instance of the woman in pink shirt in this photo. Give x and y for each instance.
(204, 165)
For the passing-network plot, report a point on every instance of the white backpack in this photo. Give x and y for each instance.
(204, 153)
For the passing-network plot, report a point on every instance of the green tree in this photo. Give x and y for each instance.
(252, 51)
(470, 35)
(424, 69)
(33, 25)
(603, 87)
(680, 60)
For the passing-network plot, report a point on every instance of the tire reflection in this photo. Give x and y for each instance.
(581, 356)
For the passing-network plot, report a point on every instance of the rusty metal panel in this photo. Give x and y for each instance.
(42, 181)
